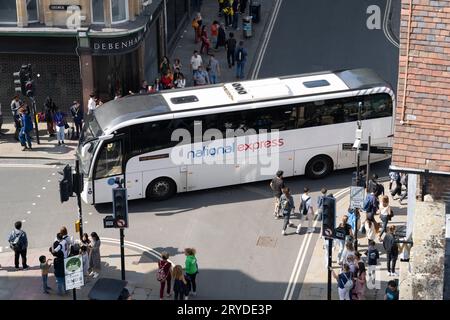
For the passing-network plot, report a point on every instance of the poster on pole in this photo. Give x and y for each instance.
(356, 197)
(73, 268)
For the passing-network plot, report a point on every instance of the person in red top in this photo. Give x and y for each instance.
(165, 267)
(167, 80)
(214, 32)
(205, 41)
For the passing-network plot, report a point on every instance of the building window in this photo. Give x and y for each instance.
(8, 12)
(32, 10)
(119, 11)
(98, 15)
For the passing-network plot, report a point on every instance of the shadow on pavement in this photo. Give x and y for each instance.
(185, 202)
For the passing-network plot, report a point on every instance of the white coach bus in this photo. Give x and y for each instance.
(308, 118)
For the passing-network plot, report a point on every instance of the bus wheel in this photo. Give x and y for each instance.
(161, 189)
(319, 167)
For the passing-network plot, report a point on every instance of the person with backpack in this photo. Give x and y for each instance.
(18, 242)
(374, 186)
(191, 269)
(345, 282)
(373, 255)
(306, 211)
(277, 185)
(241, 59)
(371, 206)
(163, 274)
(391, 247)
(287, 206)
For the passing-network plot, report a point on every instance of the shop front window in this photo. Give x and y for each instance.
(98, 15)
(119, 11)
(8, 12)
(32, 10)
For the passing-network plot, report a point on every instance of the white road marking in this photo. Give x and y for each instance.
(266, 39)
(1, 249)
(302, 254)
(150, 251)
(386, 25)
(25, 165)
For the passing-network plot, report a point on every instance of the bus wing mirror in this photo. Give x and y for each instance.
(86, 148)
(106, 137)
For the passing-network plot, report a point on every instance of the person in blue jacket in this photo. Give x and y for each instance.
(27, 126)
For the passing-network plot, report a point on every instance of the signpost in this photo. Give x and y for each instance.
(356, 197)
(73, 270)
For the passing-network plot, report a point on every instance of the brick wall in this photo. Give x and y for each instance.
(420, 145)
(60, 78)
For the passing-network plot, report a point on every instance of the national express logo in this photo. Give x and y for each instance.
(230, 149)
(259, 149)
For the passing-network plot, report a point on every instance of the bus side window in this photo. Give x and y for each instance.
(110, 160)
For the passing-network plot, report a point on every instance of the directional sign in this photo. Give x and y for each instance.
(73, 268)
(356, 197)
(380, 150)
(349, 147)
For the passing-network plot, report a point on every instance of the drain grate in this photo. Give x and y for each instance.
(267, 242)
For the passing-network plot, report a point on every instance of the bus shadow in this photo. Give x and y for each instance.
(185, 202)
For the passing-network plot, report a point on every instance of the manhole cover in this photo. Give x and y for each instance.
(267, 242)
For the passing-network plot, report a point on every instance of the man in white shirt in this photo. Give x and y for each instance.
(196, 61)
(306, 210)
(91, 104)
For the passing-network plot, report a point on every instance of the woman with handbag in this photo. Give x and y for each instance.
(61, 124)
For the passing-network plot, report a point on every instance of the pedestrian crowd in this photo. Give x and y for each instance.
(184, 281)
(55, 119)
(355, 270)
(63, 246)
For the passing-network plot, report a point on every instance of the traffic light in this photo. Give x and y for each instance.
(329, 217)
(120, 207)
(67, 175)
(29, 88)
(66, 184)
(64, 190)
(77, 183)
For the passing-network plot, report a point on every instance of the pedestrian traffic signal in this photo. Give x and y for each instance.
(120, 207)
(23, 80)
(329, 217)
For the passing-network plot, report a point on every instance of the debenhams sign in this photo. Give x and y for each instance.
(120, 45)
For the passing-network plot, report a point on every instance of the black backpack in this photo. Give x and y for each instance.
(303, 207)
